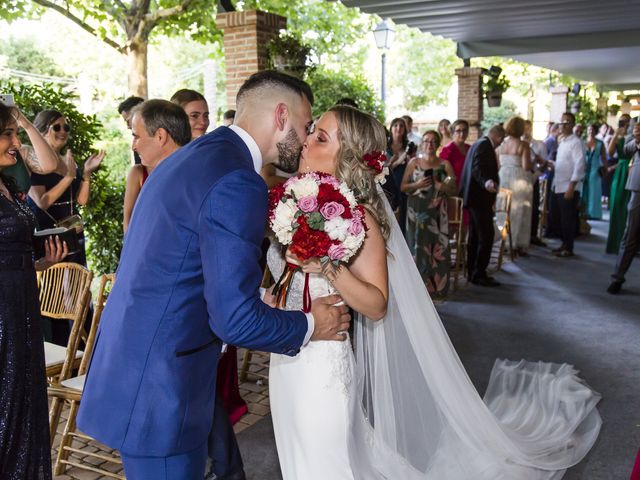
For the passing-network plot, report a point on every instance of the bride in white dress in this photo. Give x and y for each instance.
(404, 408)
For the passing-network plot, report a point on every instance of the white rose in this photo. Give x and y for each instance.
(337, 228)
(348, 194)
(305, 187)
(282, 223)
(353, 243)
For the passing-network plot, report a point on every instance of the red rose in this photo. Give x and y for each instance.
(308, 243)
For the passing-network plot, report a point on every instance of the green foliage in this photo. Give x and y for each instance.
(422, 66)
(103, 213)
(103, 222)
(496, 115)
(588, 113)
(329, 86)
(328, 27)
(289, 49)
(496, 84)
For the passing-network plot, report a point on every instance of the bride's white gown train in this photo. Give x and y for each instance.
(404, 407)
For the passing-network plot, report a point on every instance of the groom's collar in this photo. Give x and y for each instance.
(251, 144)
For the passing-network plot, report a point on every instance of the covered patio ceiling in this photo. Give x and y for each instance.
(591, 40)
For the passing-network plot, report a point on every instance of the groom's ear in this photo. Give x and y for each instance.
(281, 115)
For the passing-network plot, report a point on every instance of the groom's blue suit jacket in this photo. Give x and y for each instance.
(188, 280)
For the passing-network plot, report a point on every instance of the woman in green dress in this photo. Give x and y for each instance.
(619, 196)
(428, 181)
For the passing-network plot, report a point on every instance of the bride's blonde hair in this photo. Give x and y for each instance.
(360, 133)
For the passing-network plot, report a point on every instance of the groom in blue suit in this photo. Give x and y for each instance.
(188, 281)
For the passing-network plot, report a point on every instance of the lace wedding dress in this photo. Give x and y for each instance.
(404, 408)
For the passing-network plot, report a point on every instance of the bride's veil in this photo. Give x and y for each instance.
(418, 416)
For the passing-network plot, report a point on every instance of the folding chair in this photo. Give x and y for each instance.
(457, 242)
(70, 390)
(503, 221)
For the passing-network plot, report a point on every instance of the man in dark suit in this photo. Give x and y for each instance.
(188, 281)
(479, 186)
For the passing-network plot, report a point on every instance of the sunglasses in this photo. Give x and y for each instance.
(57, 127)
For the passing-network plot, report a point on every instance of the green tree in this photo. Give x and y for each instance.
(23, 54)
(127, 25)
(329, 86)
(496, 115)
(422, 67)
(327, 27)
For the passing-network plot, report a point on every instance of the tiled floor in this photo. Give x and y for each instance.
(254, 390)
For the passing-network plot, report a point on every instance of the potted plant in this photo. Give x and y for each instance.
(288, 54)
(494, 86)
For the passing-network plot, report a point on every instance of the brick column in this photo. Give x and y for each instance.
(245, 38)
(558, 102)
(470, 97)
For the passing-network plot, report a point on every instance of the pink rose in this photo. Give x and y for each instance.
(308, 204)
(336, 252)
(356, 227)
(331, 210)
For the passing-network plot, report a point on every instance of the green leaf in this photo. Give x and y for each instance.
(315, 220)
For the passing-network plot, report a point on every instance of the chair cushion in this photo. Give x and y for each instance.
(54, 354)
(77, 383)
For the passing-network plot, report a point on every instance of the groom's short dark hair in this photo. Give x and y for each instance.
(273, 78)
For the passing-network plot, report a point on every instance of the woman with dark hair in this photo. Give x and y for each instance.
(24, 421)
(444, 130)
(55, 196)
(428, 181)
(38, 157)
(596, 160)
(456, 151)
(196, 108)
(398, 156)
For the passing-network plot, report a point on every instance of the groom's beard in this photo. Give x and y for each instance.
(289, 152)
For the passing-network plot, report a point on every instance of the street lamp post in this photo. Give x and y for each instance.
(383, 34)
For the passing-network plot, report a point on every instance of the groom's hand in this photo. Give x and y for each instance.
(331, 322)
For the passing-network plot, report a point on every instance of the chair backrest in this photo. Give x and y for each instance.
(503, 201)
(454, 210)
(64, 288)
(106, 283)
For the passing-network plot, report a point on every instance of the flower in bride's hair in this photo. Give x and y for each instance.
(376, 160)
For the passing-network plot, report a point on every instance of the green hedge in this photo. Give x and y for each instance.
(103, 214)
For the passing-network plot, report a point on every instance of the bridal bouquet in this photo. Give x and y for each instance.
(316, 215)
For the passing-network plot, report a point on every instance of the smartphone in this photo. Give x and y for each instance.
(7, 99)
(622, 123)
(428, 173)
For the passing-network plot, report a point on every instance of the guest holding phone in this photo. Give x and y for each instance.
(428, 181)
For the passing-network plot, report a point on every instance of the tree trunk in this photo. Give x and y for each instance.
(137, 56)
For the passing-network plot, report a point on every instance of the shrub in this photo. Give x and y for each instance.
(329, 86)
(103, 214)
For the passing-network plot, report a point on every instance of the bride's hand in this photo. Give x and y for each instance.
(268, 298)
(312, 265)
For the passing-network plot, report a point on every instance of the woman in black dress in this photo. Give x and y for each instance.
(24, 420)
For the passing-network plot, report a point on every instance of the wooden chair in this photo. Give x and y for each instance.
(262, 357)
(65, 294)
(543, 209)
(503, 220)
(457, 242)
(70, 390)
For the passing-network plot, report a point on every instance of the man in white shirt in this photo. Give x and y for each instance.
(567, 183)
(411, 135)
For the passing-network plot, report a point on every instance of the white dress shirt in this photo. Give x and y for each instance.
(256, 156)
(570, 164)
